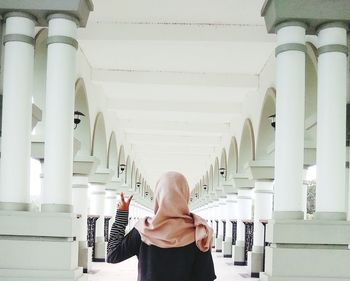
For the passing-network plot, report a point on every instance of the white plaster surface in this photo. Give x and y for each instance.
(127, 270)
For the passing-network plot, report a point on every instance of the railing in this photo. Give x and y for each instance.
(249, 233)
(234, 231)
(224, 230)
(91, 232)
(107, 219)
(217, 228)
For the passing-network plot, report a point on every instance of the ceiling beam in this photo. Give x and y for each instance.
(173, 149)
(241, 81)
(172, 127)
(217, 108)
(109, 30)
(135, 139)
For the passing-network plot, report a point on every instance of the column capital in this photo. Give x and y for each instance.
(85, 165)
(243, 182)
(56, 15)
(39, 9)
(312, 13)
(261, 170)
(19, 14)
(102, 176)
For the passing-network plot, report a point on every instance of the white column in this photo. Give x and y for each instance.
(244, 212)
(80, 205)
(110, 205)
(110, 202)
(216, 218)
(17, 111)
(289, 138)
(262, 211)
(221, 216)
(211, 215)
(60, 92)
(132, 214)
(231, 214)
(331, 121)
(205, 212)
(80, 200)
(97, 208)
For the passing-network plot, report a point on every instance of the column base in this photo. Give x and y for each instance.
(238, 254)
(35, 275)
(85, 257)
(301, 250)
(42, 247)
(255, 262)
(227, 247)
(9, 206)
(100, 250)
(218, 244)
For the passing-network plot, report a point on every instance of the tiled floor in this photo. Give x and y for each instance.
(127, 271)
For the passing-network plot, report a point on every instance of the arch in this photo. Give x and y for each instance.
(310, 134)
(112, 153)
(223, 159)
(121, 159)
(216, 174)
(311, 81)
(99, 142)
(246, 147)
(128, 170)
(39, 82)
(82, 132)
(143, 185)
(232, 161)
(133, 175)
(137, 178)
(266, 133)
(200, 186)
(211, 179)
(206, 182)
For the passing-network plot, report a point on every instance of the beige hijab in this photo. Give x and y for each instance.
(173, 225)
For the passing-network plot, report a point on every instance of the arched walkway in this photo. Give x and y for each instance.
(244, 98)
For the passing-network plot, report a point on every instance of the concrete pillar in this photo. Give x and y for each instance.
(17, 111)
(211, 215)
(289, 144)
(97, 207)
(231, 214)
(60, 93)
(289, 135)
(111, 205)
(331, 122)
(216, 214)
(263, 211)
(309, 249)
(244, 212)
(80, 207)
(132, 214)
(220, 216)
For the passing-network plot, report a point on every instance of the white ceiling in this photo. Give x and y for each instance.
(175, 74)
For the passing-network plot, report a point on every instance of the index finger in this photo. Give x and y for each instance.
(122, 197)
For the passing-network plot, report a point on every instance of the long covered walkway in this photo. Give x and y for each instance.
(249, 99)
(127, 271)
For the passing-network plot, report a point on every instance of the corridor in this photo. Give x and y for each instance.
(127, 271)
(248, 99)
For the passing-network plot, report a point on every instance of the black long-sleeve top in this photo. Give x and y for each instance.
(186, 263)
